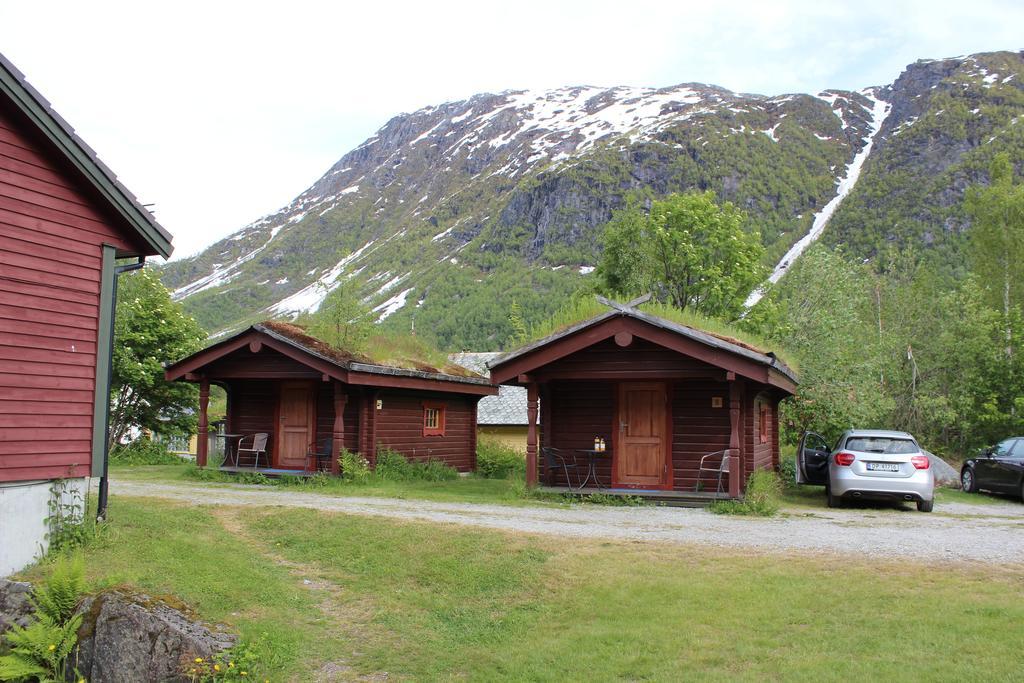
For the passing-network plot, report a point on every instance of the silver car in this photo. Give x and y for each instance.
(867, 464)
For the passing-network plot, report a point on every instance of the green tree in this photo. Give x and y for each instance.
(825, 319)
(997, 238)
(150, 330)
(690, 251)
(342, 321)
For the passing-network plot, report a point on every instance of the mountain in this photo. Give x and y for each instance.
(450, 214)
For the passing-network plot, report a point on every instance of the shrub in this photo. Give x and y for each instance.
(354, 467)
(613, 500)
(787, 469)
(495, 460)
(393, 466)
(143, 451)
(764, 489)
(433, 470)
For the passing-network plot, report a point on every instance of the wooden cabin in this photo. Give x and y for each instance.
(312, 398)
(661, 395)
(64, 219)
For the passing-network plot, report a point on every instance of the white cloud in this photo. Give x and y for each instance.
(221, 112)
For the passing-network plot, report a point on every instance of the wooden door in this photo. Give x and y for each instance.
(296, 426)
(642, 450)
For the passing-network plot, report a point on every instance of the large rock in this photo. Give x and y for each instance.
(15, 606)
(128, 637)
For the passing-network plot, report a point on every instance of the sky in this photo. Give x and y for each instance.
(220, 112)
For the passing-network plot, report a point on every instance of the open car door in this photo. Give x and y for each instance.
(812, 459)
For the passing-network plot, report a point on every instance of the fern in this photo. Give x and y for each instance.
(59, 594)
(38, 652)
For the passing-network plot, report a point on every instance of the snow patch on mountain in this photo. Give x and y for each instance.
(879, 111)
(391, 305)
(309, 298)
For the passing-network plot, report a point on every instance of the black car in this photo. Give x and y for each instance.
(999, 469)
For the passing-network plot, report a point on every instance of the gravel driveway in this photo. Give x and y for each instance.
(956, 531)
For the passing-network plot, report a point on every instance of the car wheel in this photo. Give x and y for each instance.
(925, 505)
(967, 481)
(833, 501)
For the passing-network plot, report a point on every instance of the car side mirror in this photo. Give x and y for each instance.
(989, 451)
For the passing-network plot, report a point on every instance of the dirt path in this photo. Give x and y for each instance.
(983, 533)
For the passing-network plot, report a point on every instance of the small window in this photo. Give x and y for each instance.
(765, 423)
(433, 419)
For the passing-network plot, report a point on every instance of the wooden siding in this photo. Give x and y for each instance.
(641, 360)
(761, 453)
(698, 429)
(52, 229)
(253, 408)
(399, 426)
(267, 364)
(579, 411)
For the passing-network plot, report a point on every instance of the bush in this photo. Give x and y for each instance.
(393, 466)
(495, 460)
(787, 469)
(764, 489)
(354, 467)
(143, 451)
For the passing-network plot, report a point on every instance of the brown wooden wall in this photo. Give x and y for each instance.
(399, 426)
(579, 410)
(253, 408)
(51, 235)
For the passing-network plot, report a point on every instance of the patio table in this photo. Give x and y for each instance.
(230, 447)
(592, 458)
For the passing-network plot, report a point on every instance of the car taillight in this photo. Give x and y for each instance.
(845, 459)
(920, 462)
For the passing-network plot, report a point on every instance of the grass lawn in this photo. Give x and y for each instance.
(470, 489)
(439, 602)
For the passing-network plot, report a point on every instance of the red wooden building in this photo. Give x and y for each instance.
(64, 218)
(311, 397)
(662, 395)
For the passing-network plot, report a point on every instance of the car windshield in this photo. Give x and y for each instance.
(881, 444)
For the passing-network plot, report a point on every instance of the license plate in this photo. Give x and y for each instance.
(883, 467)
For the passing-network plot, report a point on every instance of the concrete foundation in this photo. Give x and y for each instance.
(24, 509)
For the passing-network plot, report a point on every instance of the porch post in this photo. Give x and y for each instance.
(531, 434)
(338, 435)
(203, 437)
(735, 464)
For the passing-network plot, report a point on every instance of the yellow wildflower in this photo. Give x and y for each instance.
(216, 667)
(245, 673)
(199, 660)
(231, 665)
(52, 648)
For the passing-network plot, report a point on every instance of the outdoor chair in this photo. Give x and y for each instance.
(556, 459)
(318, 459)
(720, 467)
(257, 446)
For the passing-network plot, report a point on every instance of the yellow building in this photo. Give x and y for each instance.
(501, 417)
